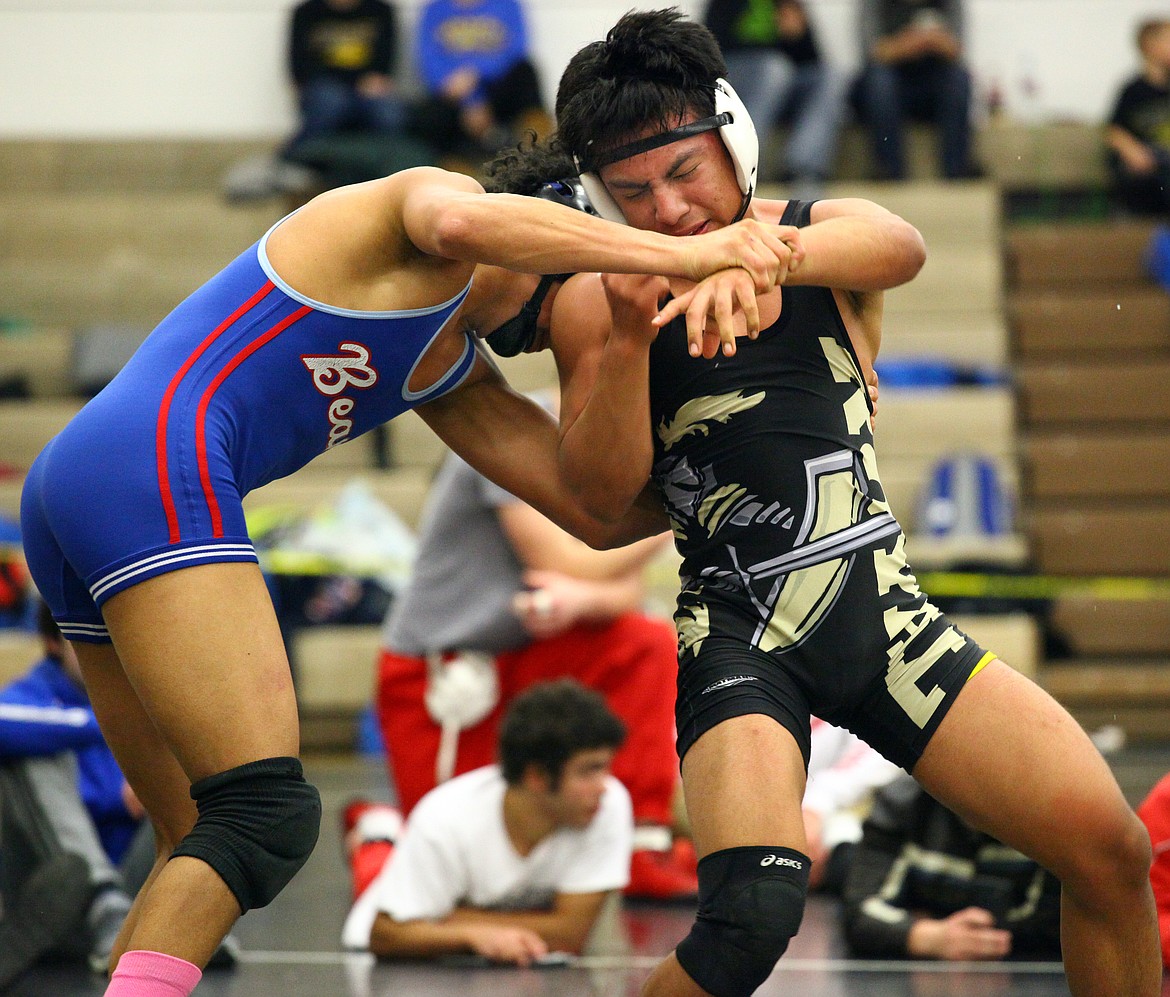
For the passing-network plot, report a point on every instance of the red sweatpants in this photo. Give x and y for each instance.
(631, 662)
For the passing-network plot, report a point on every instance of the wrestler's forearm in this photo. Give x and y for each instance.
(606, 453)
(864, 252)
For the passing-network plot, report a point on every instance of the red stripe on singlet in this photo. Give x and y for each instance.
(205, 401)
(160, 445)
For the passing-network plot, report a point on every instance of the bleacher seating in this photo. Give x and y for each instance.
(119, 231)
(1092, 333)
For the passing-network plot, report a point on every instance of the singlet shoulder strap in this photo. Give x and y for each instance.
(798, 213)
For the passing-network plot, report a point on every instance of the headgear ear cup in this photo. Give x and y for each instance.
(606, 206)
(739, 136)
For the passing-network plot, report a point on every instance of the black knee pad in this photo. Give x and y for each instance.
(751, 901)
(257, 826)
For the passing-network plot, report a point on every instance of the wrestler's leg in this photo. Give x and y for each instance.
(1010, 760)
(199, 684)
(743, 780)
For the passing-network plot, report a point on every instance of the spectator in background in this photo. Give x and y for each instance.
(67, 817)
(776, 67)
(913, 53)
(843, 773)
(482, 87)
(1138, 133)
(501, 598)
(342, 57)
(1155, 814)
(924, 884)
(515, 860)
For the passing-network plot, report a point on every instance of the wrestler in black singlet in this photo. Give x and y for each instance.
(795, 592)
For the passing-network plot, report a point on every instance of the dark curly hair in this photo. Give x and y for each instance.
(552, 721)
(527, 167)
(653, 68)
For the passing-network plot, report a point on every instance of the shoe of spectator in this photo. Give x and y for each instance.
(664, 874)
(106, 915)
(364, 821)
(48, 907)
(369, 831)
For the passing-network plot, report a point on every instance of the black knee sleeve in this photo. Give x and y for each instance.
(257, 826)
(751, 901)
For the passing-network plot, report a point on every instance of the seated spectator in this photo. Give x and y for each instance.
(1138, 133)
(76, 844)
(500, 598)
(482, 88)
(843, 773)
(512, 861)
(67, 817)
(1155, 814)
(924, 884)
(913, 53)
(776, 68)
(342, 57)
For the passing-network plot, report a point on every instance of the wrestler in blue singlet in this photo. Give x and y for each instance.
(243, 383)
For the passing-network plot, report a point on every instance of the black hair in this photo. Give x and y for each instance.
(527, 168)
(552, 721)
(653, 68)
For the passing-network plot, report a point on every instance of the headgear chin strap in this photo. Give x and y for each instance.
(519, 333)
(735, 128)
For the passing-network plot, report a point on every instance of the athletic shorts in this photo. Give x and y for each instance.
(883, 662)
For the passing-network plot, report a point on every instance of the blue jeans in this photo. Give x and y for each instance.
(329, 106)
(931, 90)
(811, 98)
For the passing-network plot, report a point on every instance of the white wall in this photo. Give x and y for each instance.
(206, 68)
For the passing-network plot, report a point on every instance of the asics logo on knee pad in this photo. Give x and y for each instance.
(781, 860)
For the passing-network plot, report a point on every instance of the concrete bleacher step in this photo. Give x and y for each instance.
(33, 166)
(27, 425)
(946, 213)
(1096, 463)
(1086, 253)
(1131, 694)
(76, 260)
(1103, 323)
(40, 358)
(1102, 393)
(334, 666)
(1101, 540)
(157, 225)
(974, 337)
(1093, 626)
(979, 419)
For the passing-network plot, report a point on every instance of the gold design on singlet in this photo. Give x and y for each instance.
(808, 593)
(693, 414)
(693, 625)
(902, 626)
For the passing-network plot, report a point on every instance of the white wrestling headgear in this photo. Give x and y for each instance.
(735, 128)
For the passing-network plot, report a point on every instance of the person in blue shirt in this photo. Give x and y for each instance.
(482, 88)
(67, 817)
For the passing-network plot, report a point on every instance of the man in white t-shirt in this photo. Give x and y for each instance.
(512, 861)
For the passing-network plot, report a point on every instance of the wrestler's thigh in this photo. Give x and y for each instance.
(743, 780)
(204, 653)
(143, 756)
(1012, 761)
